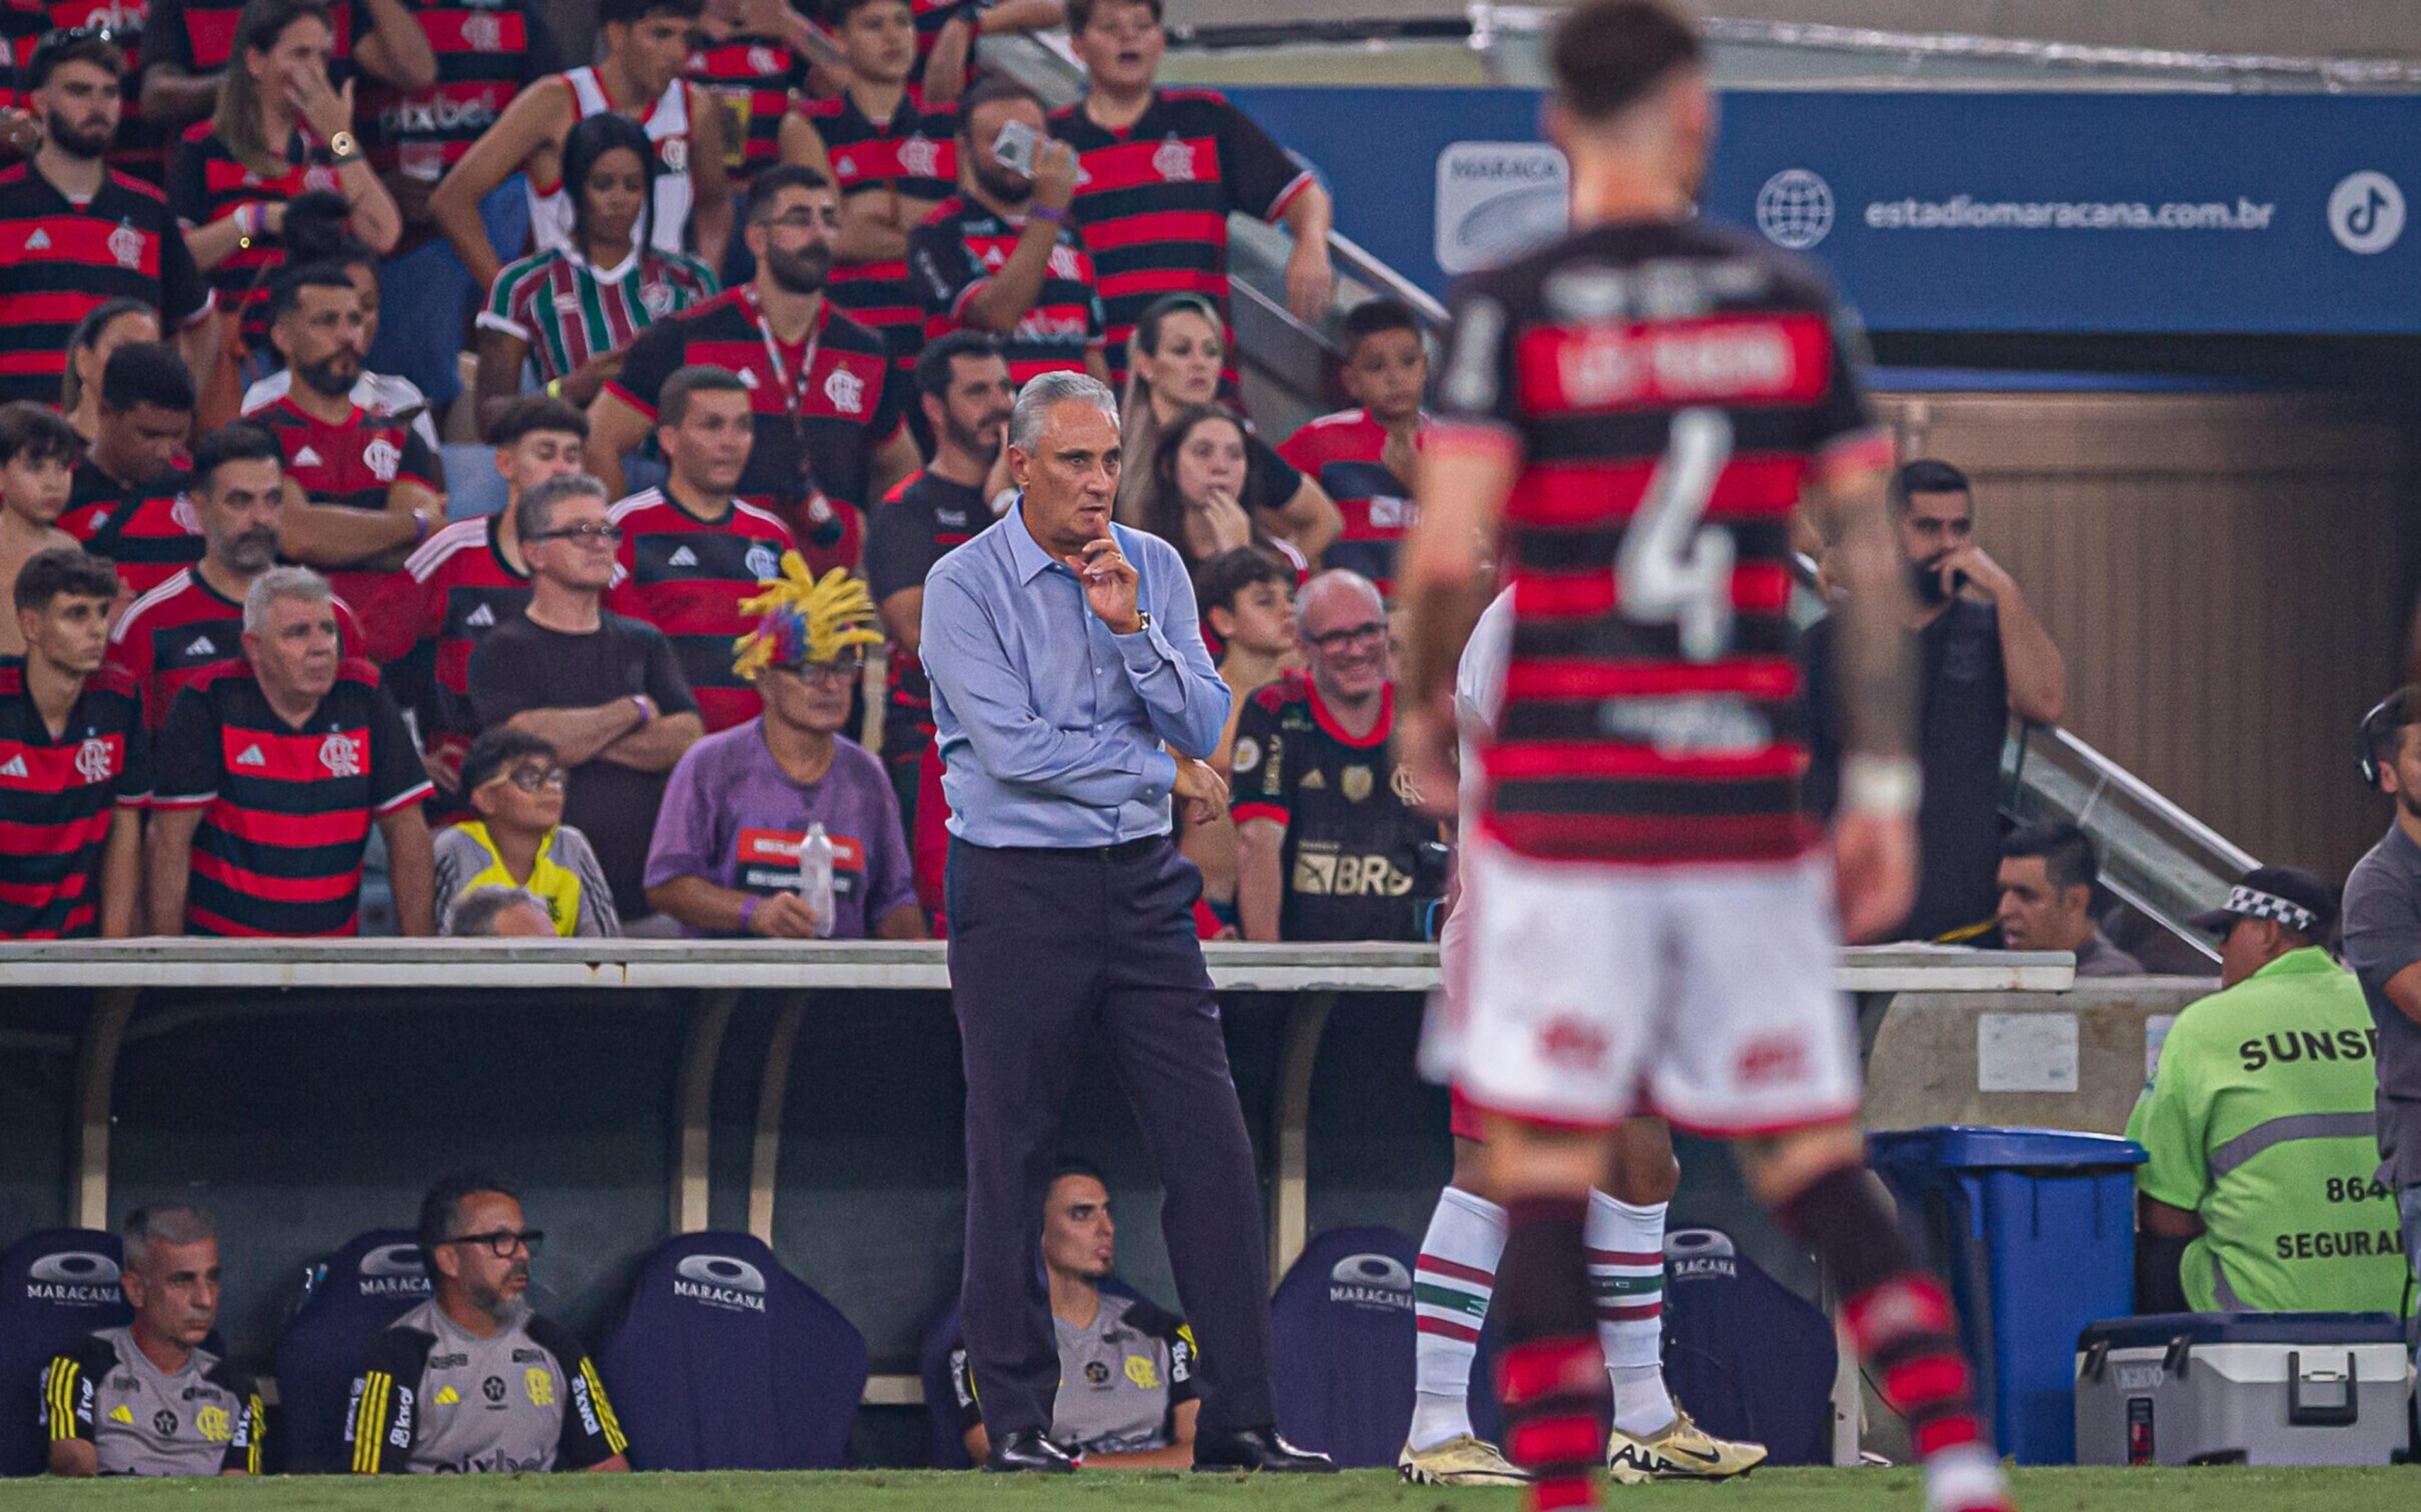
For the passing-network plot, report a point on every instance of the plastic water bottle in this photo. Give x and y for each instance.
(816, 878)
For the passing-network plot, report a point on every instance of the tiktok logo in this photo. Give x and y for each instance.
(2367, 212)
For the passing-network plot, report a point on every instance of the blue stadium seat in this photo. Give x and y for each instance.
(1342, 1325)
(56, 1284)
(376, 1278)
(1749, 1357)
(726, 1361)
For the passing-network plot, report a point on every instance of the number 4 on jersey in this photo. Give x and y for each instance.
(1669, 570)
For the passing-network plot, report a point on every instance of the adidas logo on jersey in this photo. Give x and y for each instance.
(681, 557)
(120, 1414)
(39, 242)
(481, 617)
(1312, 779)
(994, 257)
(16, 768)
(307, 457)
(252, 757)
(203, 645)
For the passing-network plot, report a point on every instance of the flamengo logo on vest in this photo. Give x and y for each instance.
(80, 1278)
(720, 1281)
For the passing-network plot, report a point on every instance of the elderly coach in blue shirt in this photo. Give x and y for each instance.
(1064, 654)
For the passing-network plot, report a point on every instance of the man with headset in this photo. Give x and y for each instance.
(2383, 945)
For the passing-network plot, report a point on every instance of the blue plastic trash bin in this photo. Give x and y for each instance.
(2034, 1230)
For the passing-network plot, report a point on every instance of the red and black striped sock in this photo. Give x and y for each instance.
(1551, 1378)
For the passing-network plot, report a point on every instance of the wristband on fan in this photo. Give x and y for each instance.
(645, 714)
(748, 910)
(1886, 785)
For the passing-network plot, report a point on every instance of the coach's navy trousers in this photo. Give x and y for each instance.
(1048, 949)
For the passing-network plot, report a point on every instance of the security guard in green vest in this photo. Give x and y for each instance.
(2259, 1196)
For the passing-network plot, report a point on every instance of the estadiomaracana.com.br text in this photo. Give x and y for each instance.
(1963, 212)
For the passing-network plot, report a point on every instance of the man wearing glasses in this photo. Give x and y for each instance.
(1330, 845)
(471, 1379)
(606, 693)
(725, 858)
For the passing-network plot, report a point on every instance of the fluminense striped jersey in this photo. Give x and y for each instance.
(959, 248)
(686, 576)
(147, 531)
(286, 809)
(1154, 201)
(57, 797)
(915, 155)
(753, 78)
(568, 311)
(59, 260)
(1666, 391)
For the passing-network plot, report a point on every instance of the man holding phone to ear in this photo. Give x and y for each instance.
(1003, 253)
(1064, 654)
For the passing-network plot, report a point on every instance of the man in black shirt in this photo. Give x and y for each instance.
(962, 382)
(1985, 656)
(605, 692)
(1330, 842)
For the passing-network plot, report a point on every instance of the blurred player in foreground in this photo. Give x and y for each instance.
(1639, 408)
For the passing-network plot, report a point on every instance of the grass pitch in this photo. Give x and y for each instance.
(2384, 1490)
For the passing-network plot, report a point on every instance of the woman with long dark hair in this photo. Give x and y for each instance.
(571, 311)
(280, 132)
(1175, 354)
(105, 327)
(1191, 490)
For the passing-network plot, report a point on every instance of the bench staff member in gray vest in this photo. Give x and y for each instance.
(147, 1398)
(2383, 945)
(471, 1379)
(1063, 654)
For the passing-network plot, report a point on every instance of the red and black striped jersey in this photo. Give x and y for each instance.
(285, 808)
(140, 148)
(488, 50)
(1154, 199)
(60, 259)
(1359, 860)
(1667, 391)
(179, 629)
(812, 466)
(913, 155)
(454, 590)
(195, 36)
(57, 796)
(207, 183)
(754, 78)
(352, 463)
(149, 531)
(1345, 453)
(922, 521)
(957, 249)
(686, 576)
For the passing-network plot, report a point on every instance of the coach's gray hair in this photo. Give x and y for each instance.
(170, 1223)
(298, 582)
(535, 515)
(475, 912)
(1035, 401)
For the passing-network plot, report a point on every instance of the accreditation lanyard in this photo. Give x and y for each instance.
(801, 486)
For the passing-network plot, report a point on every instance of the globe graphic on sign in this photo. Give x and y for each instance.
(1794, 210)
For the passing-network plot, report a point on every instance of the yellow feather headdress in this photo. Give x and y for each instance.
(804, 619)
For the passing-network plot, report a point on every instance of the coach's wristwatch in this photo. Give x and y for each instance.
(1889, 785)
(1142, 622)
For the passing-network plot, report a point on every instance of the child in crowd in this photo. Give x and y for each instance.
(515, 783)
(1364, 457)
(38, 456)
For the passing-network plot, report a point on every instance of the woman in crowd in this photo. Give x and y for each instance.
(280, 132)
(1192, 492)
(570, 312)
(106, 327)
(1176, 353)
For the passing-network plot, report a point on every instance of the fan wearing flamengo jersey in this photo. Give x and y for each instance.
(691, 552)
(750, 60)
(1634, 411)
(1363, 458)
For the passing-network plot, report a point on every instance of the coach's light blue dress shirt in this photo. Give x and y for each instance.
(1050, 727)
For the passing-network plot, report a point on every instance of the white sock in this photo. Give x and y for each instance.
(1456, 1277)
(1965, 1479)
(1626, 1256)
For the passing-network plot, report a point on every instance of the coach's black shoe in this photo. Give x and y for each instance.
(1028, 1449)
(1257, 1449)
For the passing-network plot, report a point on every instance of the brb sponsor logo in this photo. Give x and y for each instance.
(720, 1281)
(1378, 1282)
(393, 1270)
(1496, 199)
(74, 1278)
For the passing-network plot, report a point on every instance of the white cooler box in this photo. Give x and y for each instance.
(2242, 1388)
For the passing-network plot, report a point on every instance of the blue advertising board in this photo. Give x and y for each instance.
(2070, 212)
